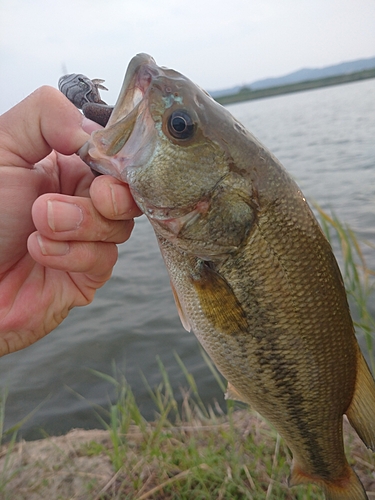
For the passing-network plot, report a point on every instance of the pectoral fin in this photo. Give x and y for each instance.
(181, 312)
(219, 302)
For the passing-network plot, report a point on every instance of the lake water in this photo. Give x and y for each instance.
(326, 140)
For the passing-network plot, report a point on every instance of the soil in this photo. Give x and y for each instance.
(56, 467)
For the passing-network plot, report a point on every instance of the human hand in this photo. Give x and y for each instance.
(59, 225)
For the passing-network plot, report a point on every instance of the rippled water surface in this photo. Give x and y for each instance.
(325, 138)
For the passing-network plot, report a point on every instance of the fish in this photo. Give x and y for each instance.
(251, 272)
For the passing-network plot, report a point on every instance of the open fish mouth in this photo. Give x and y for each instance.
(115, 148)
(139, 75)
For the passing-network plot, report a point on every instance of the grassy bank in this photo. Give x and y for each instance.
(190, 451)
(234, 457)
(247, 94)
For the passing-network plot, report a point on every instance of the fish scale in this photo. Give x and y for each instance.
(251, 271)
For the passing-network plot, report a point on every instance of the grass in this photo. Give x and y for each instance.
(192, 451)
(359, 279)
(11, 435)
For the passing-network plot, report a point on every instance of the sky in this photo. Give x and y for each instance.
(217, 44)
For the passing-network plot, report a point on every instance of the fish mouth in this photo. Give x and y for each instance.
(138, 78)
(102, 151)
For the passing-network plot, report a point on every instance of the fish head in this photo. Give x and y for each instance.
(168, 139)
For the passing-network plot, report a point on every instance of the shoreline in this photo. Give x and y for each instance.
(246, 94)
(79, 465)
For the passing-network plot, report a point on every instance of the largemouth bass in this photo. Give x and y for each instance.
(251, 272)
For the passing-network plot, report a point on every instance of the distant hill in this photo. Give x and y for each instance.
(303, 75)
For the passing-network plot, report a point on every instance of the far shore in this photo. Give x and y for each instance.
(247, 94)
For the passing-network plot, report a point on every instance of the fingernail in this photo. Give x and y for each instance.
(114, 200)
(63, 216)
(52, 248)
(89, 126)
(120, 203)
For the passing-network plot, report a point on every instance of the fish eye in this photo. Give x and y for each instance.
(180, 125)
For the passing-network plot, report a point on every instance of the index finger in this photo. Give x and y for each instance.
(43, 121)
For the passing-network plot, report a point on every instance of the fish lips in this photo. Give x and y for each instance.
(116, 150)
(129, 137)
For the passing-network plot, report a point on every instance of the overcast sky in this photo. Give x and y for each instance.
(217, 44)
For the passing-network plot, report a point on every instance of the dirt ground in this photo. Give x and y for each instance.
(56, 468)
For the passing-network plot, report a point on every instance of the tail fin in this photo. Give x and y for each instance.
(361, 412)
(348, 487)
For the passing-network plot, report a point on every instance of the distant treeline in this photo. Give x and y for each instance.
(246, 94)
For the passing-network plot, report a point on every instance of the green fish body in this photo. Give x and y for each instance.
(251, 271)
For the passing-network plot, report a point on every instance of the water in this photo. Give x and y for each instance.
(326, 140)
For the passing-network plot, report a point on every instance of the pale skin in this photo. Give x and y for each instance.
(59, 225)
